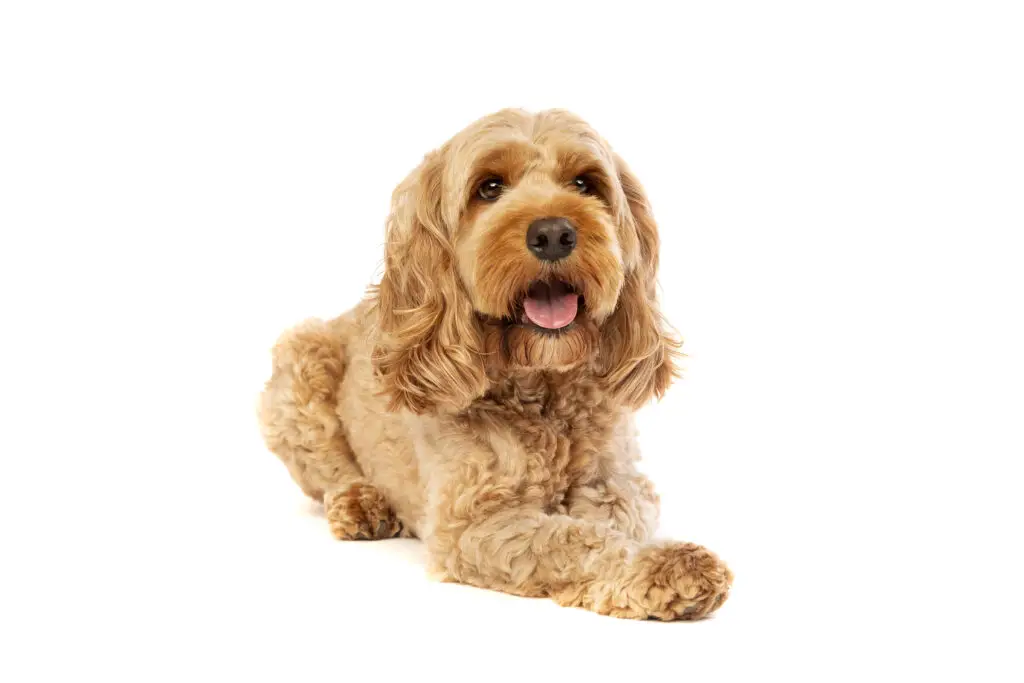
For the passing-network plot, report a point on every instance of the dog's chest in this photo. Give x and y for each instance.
(562, 428)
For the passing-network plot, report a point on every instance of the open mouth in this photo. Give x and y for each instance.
(550, 305)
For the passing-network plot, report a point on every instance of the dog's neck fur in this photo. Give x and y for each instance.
(571, 399)
(562, 419)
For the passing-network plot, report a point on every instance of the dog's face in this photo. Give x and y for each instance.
(538, 243)
(523, 244)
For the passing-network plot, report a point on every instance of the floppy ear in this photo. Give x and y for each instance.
(427, 352)
(638, 349)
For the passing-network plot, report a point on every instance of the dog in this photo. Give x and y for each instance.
(481, 396)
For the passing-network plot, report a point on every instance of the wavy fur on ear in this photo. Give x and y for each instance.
(638, 348)
(427, 355)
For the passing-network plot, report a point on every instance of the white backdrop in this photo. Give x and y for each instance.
(840, 191)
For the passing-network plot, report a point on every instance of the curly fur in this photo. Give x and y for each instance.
(431, 410)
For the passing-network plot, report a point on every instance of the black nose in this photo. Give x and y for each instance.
(551, 238)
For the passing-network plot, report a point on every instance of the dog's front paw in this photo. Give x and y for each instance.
(668, 582)
(360, 512)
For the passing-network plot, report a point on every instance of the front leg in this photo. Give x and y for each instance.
(614, 492)
(621, 497)
(489, 527)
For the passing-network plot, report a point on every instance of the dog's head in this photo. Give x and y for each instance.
(523, 244)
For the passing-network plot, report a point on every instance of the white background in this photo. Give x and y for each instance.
(840, 190)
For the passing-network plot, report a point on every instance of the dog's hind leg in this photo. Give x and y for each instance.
(299, 422)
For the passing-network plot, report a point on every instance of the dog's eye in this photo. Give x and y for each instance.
(583, 185)
(491, 188)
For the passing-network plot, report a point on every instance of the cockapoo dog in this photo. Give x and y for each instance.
(481, 397)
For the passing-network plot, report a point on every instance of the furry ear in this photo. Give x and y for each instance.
(427, 354)
(638, 350)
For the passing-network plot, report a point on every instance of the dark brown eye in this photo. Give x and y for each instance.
(583, 185)
(491, 188)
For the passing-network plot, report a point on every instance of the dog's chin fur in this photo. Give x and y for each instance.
(516, 346)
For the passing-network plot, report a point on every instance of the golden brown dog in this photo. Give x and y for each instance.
(481, 397)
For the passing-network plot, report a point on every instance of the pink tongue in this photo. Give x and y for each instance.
(552, 312)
